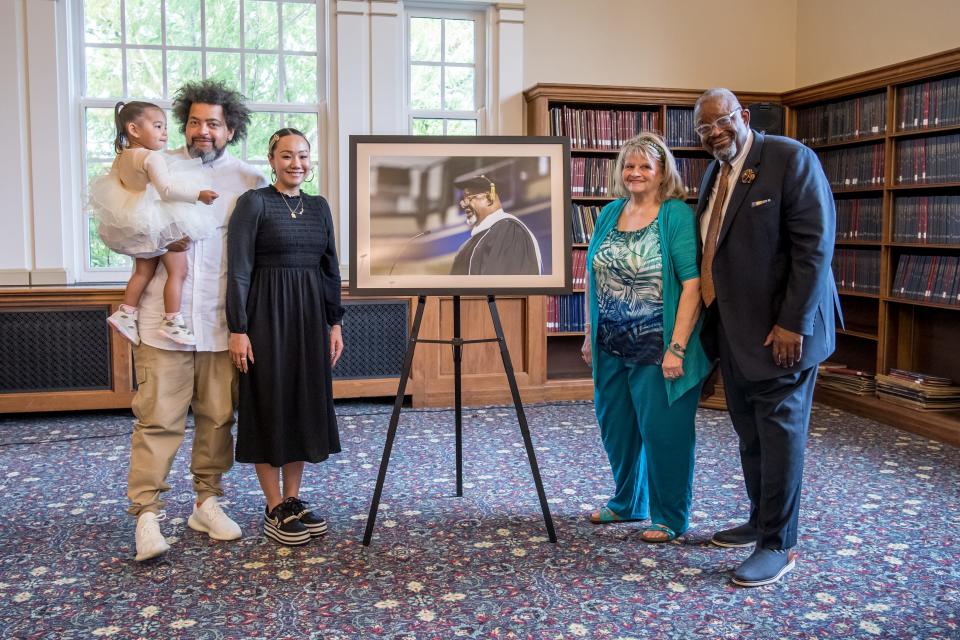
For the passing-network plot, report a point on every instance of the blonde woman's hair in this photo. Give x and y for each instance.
(653, 147)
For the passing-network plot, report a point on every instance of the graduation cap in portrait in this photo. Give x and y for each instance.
(491, 181)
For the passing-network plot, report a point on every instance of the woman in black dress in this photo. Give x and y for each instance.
(284, 316)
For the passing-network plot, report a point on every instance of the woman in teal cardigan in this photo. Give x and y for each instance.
(643, 305)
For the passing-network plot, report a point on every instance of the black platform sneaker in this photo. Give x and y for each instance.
(316, 525)
(283, 526)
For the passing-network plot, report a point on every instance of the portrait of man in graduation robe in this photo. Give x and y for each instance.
(499, 243)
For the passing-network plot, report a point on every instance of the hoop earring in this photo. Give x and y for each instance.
(273, 175)
(313, 174)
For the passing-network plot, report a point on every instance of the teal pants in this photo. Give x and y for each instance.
(649, 443)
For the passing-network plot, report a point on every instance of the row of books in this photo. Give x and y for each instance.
(927, 219)
(578, 268)
(854, 167)
(857, 270)
(929, 160)
(691, 173)
(929, 104)
(680, 133)
(918, 390)
(845, 120)
(859, 219)
(839, 377)
(928, 279)
(583, 218)
(588, 176)
(598, 128)
(565, 313)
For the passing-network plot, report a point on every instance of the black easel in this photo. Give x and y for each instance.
(457, 342)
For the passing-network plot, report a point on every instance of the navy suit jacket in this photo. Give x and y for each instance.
(773, 260)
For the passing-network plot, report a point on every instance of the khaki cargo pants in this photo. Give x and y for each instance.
(168, 384)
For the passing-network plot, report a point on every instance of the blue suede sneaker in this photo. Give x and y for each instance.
(764, 566)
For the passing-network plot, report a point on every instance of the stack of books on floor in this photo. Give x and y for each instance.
(839, 377)
(918, 390)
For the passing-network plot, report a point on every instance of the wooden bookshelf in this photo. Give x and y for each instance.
(883, 330)
(889, 330)
(672, 109)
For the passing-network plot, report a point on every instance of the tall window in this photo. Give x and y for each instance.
(444, 68)
(145, 49)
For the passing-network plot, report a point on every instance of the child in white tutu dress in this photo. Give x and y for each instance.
(147, 202)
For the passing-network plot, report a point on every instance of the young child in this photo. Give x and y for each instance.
(145, 203)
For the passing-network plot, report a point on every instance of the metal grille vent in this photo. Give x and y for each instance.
(375, 339)
(54, 350)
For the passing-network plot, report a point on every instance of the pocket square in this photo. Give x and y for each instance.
(760, 203)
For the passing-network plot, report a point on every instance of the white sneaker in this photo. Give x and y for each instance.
(150, 542)
(125, 324)
(177, 330)
(210, 519)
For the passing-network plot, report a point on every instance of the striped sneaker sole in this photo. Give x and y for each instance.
(290, 539)
(316, 529)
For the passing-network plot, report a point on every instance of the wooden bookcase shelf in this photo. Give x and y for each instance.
(922, 132)
(927, 186)
(885, 331)
(852, 142)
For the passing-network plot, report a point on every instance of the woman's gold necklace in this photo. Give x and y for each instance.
(297, 210)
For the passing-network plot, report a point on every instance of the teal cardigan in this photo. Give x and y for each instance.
(678, 246)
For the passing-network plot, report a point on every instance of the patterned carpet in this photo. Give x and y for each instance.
(879, 556)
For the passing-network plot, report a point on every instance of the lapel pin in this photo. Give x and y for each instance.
(748, 176)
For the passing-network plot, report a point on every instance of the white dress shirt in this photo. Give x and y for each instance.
(204, 289)
(736, 166)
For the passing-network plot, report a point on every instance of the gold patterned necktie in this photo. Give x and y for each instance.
(713, 232)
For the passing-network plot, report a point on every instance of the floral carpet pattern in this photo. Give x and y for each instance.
(879, 556)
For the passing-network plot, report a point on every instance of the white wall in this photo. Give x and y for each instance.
(837, 38)
(16, 241)
(683, 44)
(36, 183)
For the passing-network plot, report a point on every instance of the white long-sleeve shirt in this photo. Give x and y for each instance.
(204, 289)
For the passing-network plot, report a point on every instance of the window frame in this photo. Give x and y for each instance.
(83, 270)
(480, 63)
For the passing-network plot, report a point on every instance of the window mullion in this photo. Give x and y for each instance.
(164, 89)
(92, 111)
(123, 46)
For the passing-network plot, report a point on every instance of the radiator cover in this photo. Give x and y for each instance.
(55, 350)
(375, 339)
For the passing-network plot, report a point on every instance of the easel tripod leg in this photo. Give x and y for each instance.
(521, 417)
(394, 420)
(457, 392)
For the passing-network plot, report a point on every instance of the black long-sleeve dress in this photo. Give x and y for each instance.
(283, 291)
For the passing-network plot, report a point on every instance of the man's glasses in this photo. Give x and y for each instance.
(467, 197)
(721, 123)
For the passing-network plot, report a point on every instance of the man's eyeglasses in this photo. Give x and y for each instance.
(721, 123)
(467, 197)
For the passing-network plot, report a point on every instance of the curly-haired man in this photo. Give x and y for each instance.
(172, 378)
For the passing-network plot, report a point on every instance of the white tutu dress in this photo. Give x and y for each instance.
(148, 200)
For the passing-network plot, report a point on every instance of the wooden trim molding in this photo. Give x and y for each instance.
(899, 73)
(631, 95)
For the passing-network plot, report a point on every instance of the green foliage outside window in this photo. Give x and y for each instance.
(146, 49)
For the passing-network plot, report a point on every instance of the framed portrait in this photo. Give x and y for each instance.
(475, 215)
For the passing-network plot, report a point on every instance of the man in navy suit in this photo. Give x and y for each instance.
(767, 222)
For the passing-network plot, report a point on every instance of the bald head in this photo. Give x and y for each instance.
(719, 96)
(726, 124)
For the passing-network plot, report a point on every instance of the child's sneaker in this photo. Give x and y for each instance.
(176, 329)
(126, 325)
